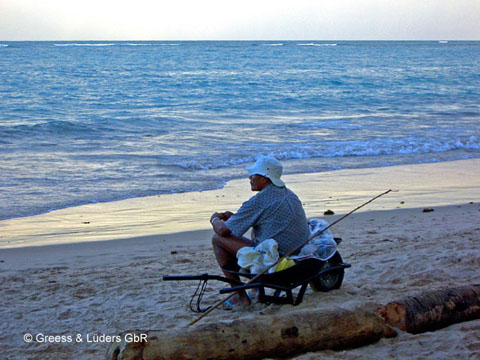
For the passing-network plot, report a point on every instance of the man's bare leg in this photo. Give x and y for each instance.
(225, 249)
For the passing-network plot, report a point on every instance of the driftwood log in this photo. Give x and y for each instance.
(433, 310)
(257, 338)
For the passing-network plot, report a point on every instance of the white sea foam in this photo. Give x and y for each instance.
(86, 44)
(3, 45)
(443, 41)
(195, 165)
(112, 44)
(279, 44)
(334, 126)
(315, 44)
(134, 44)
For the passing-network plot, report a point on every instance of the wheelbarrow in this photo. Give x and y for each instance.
(321, 275)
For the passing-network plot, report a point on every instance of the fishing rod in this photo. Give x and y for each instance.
(216, 305)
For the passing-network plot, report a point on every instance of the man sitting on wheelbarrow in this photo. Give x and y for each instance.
(274, 213)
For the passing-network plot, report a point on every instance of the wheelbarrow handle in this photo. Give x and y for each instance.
(203, 277)
(186, 277)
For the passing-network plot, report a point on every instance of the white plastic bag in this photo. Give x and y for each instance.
(322, 247)
(258, 258)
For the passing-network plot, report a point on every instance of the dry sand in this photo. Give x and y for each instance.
(105, 287)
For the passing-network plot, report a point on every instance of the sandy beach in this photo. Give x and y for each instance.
(97, 269)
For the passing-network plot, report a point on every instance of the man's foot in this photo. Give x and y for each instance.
(254, 294)
(240, 299)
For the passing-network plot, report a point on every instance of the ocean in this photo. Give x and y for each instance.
(85, 122)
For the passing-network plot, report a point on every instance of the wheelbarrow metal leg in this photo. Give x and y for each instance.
(300, 294)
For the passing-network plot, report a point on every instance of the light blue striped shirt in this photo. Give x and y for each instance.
(273, 213)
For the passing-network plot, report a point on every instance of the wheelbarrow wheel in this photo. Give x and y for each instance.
(331, 280)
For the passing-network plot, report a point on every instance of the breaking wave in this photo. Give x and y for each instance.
(344, 149)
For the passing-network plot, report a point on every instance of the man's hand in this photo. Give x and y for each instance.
(214, 216)
(225, 215)
(217, 221)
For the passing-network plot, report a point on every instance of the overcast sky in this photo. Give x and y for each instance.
(240, 20)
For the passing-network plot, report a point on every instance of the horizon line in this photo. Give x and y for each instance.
(238, 40)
